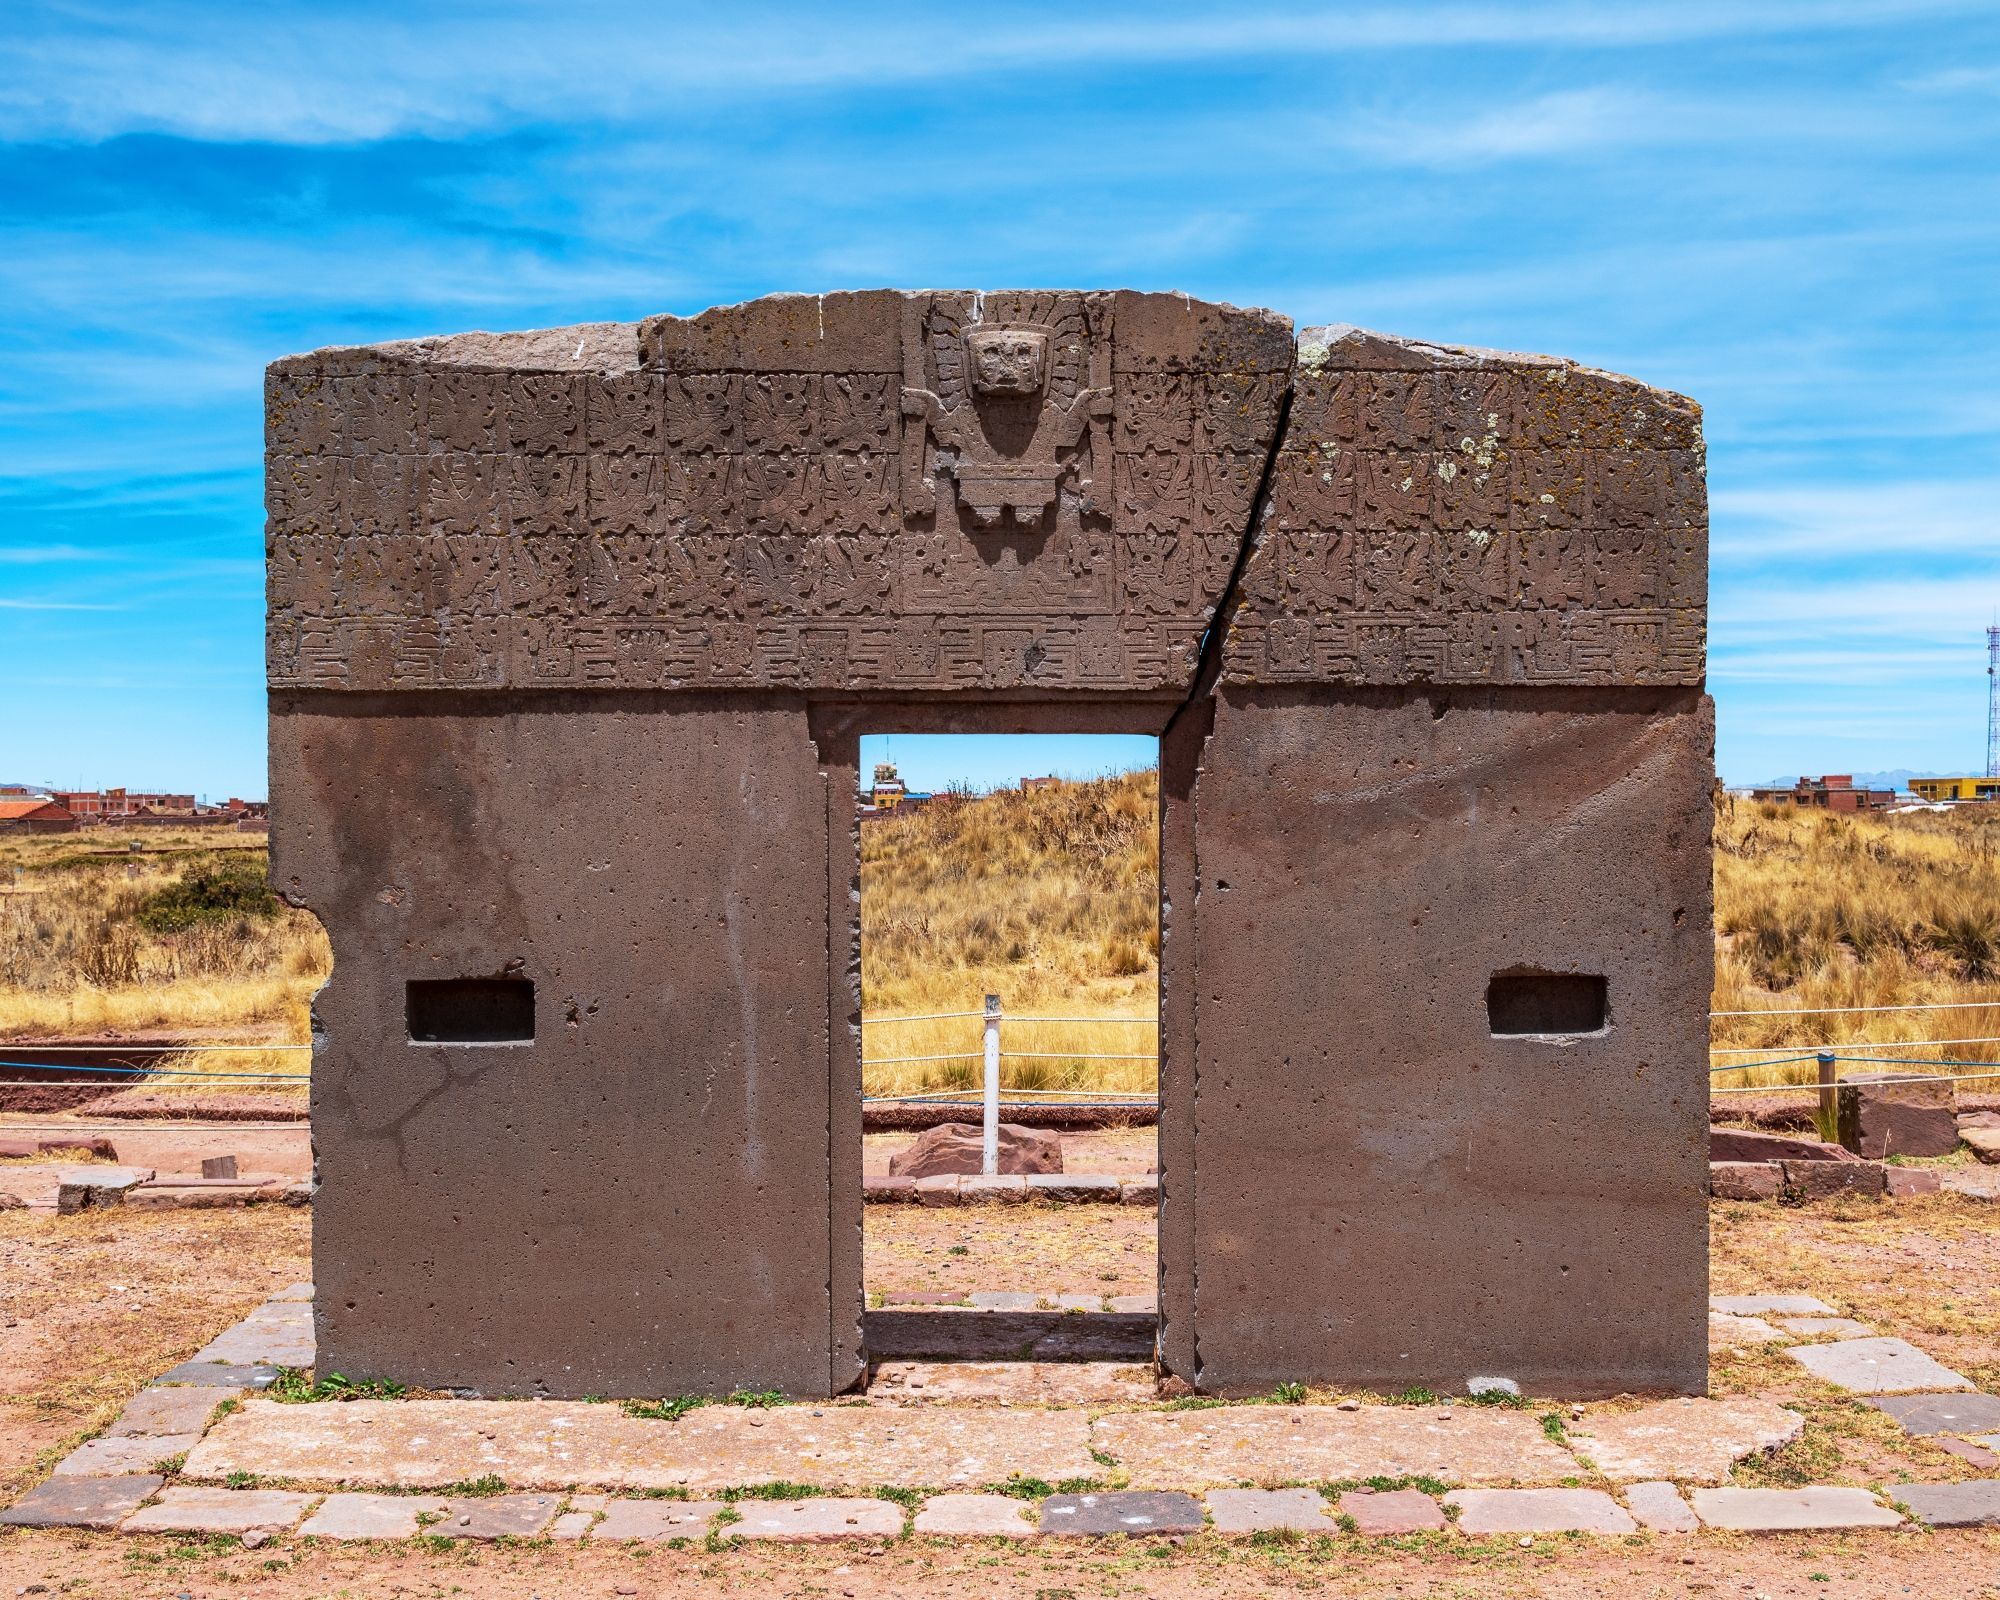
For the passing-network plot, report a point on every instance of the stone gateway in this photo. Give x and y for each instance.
(572, 638)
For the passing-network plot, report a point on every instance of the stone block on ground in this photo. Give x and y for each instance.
(373, 1516)
(1002, 1190)
(1659, 1508)
(572, 1524)
(1269, 1511)
(1981, 1132)
(1976, 1456)
(1074, 1189)
(1046, 1383)
(1002, 1300)
(1952, 1505)
(238, 1511)
(889, 1191)
(85, 1188)
(1926, 1414)
(1692, 1440)
(499, 1516)
(1134, 1513)
(1539, 1511)
(938, 1191)
(220, 1375)
(1758, 1305)
(1826, 1327)
(1726, 1332)
(1139, 1191)
(959, 1148)
(989, 1516)
(218, 1166)
(1912, 1180)
(1392, 1511)
(1749, 1144)
(1896, 1114)
(1782, 1510)
(1821, 1180)
(122, 1455)
(653, 1520)
(1745, 1180)
(1136, 1304)
(808, 1521)
(294, 1291)
(1876, 1366)
(164, 1411)
(81, 1502)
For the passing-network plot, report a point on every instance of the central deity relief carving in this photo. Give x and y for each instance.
(1004, 411)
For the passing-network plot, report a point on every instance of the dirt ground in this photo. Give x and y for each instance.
(92, 1307)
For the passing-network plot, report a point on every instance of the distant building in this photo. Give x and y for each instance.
(34, 815)
(1955, 791)
(1040, 783)
(1834, 792)
(888, 795)
(103, 805)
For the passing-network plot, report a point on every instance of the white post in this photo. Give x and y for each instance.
(989, 1157)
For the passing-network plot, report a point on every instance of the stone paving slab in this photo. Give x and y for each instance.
(294, 1291)
(1047, 1383)
(1876, 1366)
(81, 1502)
(162, 1411)
(982, 1516)
(1781, 1510)
(1826, 1327)
(195, 1510)
(809, 1521)
(498, 1516)
(1757, 1305)
(1952, 1505)
(1659, 1508)
(1010, 1335)
(124, 1455)
(220, 1375)
(572, 1524)
(1695, 1441)
(1268, 1511)
(654, 1520)
(1133, 1513)
(1313, 1444)
(1976, 1456)
(1927, 1414)
(553, 1444)
(1392, 1511)
(1726, 1332)
(1539, 1511)
(372, 1516)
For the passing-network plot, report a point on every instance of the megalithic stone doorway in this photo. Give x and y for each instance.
(570, 637)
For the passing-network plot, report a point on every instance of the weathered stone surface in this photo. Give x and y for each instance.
(1066, 1383)
(985, 1516)
(374, 1516)
(1659, 1508)
(1391, 1511)
(1745, 1180)
(811, 1521)
(653, 1520)
(1079, 1189)
(1694, 1441)
(1975, 1183)
(1981, 1135)
(81, 1502)
(1952, 1505)
(1753, 1144)
(550, 1444)
(220, 1375)
(1819, 1180)
(1926, 1414)
(1268, 1510)
(239, 1511)
(1876, 1366)
(1139, 1191)
(1912, 1180)
(889, 1191)
(1316, 1444)
(81, 1188)
(1010, 1335)
(939, 1191)
(162, 1411)
(958, 1147)
(1539, 1511)
(499, 1516)
(1726, 1332)
(997, 1190)
(1882, 1114)
(1757, 1305)
(122, 1456)
(1826, 1327)
(278, 1333)
(1976, 1456)
(1131, 1513)
(1780, 1510)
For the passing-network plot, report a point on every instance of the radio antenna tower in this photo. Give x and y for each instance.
(1993, 702)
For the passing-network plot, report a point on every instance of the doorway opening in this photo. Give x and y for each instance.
(1009, 952)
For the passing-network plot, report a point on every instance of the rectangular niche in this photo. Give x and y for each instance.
(470, 1010)
(1539, 1004)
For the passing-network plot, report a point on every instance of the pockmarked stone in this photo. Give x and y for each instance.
(1074, 1189)
(1927, 1414)
(1066, 1383)
(1539, 1511)
(985, 1516)
(1738, 1145)
(118, 1456)
(959, 1147)
(166, 1411)
(976, 1335)
(185, 1509)
(1983, 1139)
(650, 1521)
(1659, 1508)
(1694, 1441)
(1745, 1180)
(1268, 1511)
(81, 1502)
(1758, 1305)
(1876, 1366)
(1000, 1190)
(1820, 1180)
(373, 1516)
(1002, 1300)
(1392, 1511)
(811, 1521)
(500, 1516)
(1726, 1332)
(88, 1188)
(1139, 1191)
(1952, 1505)
(1132, 1513)
(1896, 1114)
(1826, 1327)
(1913, 1180)
(1782, 1510)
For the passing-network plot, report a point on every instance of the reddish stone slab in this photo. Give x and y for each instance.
(1392, 1511)
(1745, 1180)
(373, 1516)
(1268, 1511)
(1896, 1114)
(1692, 1441)
(1538, 1511)
(650, 1521)
(982, 1516)
(812, 1521)
(1821, 1180)
(1751, 1144)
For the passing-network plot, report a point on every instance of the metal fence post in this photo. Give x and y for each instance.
(989, 1154)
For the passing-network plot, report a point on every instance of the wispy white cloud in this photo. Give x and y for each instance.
(7, 604)
(1836, 522)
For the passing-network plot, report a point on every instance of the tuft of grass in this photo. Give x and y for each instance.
(757, 1399)
(780, 1490)
(1415, 1395)
(1288, 1394)
(664, 1410)
(295, 1386)
(480, 1488)
(1554, 1427)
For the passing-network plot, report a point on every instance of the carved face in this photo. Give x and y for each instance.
(1008, 361)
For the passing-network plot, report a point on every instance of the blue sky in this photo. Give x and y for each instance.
(1789, 211)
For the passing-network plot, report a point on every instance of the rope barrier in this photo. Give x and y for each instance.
(154, 1072)
(1847, 1044)
(1835, 1011)
(149, 1049)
